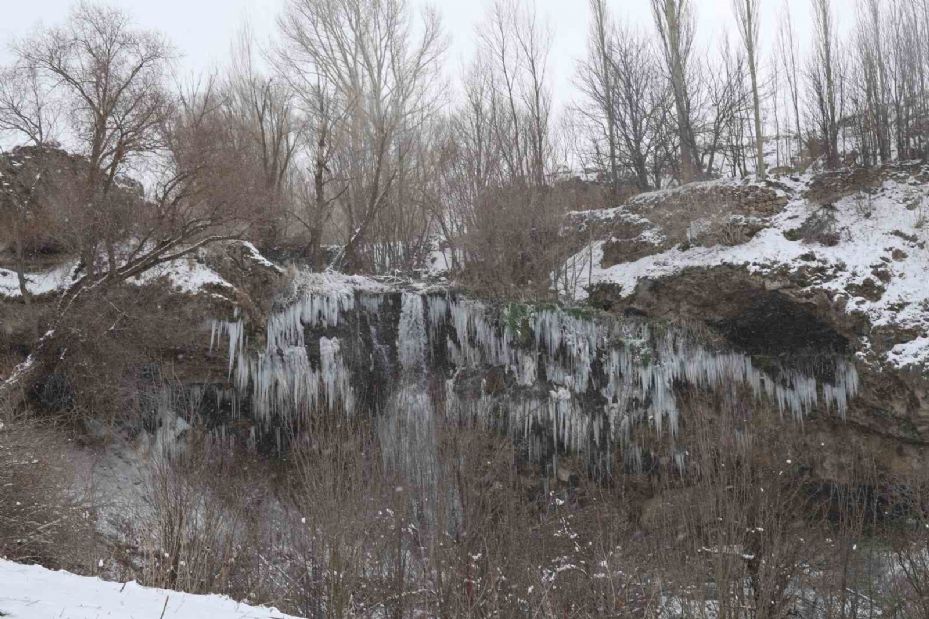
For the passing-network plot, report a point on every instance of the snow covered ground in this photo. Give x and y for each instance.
(38, 284)
(189, 275)
(33, 592)
(887, 232)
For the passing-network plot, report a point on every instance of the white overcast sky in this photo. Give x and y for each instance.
(202, 30)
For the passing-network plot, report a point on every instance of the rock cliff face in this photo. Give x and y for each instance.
(117, 356)
(838, 264)
(601, 388)
(805, 297)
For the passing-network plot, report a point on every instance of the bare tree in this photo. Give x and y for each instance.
(597, 82)
(675, 23)
(787, 51)
(109, 77)
(262, 108)
(515, 47)
(726, 101)
(20, 177)
(872, 78)
(645, 103)
(317, 190)
(822, 79)
(748, 20)
(26, 105)
(905, 32)
(534, 41)
(110, 81)
(475, 163)
(379, 79)
(512, 213)
(25, 111)
(627, 114)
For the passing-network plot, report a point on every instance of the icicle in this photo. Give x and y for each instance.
(438, 313)
(633, 368)
(411, 334)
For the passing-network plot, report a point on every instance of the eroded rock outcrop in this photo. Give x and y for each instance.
(561, 382)
(861, 287)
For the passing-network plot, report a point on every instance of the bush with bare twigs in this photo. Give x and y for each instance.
(43, 515)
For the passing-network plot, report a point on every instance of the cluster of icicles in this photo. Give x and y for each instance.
(584, 383)
(281, 382)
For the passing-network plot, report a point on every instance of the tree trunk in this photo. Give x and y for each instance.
(21, 264)
(759, 134)
(316, 256)
(608, 101)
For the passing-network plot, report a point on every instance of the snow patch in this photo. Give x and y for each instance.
(256, 256)
(33, 592)
(38, 284)
(910, 354)
(186, 275)
(886, 236)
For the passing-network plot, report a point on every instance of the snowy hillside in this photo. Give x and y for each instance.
(872, 255)
(190, 275)
(32, 592)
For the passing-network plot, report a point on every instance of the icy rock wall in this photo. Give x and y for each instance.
(570, 381)
(411, 337)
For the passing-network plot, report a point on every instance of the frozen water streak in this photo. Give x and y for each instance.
(603, 376)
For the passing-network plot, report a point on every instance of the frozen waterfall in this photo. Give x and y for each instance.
(580, 382)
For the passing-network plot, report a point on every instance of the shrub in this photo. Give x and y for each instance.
(43, 515)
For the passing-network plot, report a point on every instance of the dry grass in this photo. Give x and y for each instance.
(43, 519)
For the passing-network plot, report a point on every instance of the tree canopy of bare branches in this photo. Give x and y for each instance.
(370, 85)
(107, 80)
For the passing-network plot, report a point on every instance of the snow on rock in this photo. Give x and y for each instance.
(38, 284)
(188, 275)
(256, 256)
(882, 245)
(33, 592)
(910, 354)
(191, 275)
